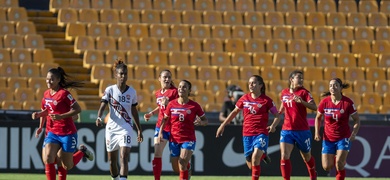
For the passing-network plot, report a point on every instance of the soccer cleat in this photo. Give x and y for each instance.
(267, 159)
(87, 153)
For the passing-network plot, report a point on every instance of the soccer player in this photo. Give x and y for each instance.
(256, 106)
(183, 114)
(295, 130)
(336, 110)
(59, 107)
(167, 93)
(122, 101)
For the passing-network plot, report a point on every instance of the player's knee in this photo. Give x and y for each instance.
(68, 165)
(340, 165)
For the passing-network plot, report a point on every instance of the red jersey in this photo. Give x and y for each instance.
(171, 94)
(336, 125)
(255, 112)
(59, 103)
(182, 119)
(295, 113)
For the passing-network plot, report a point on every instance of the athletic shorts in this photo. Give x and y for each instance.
(302, 139)
(117, 139)
(165, 134)
(68, 143)
(176, 147)
(329, 147)
(251, 142)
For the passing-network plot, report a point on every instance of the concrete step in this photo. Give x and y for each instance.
(47, 34)
(44, 20)
(39, 13)
(61, 47)
(57, 41)
(49, 27)
(70, 62)
(59, 54)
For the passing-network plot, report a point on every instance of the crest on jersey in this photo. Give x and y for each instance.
(70, 97)
(128, 97)
(259, 105)
(188, 111)
(342, 111)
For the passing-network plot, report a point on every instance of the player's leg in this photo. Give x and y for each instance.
(256, 159)
(328, 155)
(113, 161)
(158, 151)
(304, 145)
(52, 145)
(185, 157)
(124, 162)
(343, 147)
(286, 146)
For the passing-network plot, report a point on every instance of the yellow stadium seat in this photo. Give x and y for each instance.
(11, 105)
(382, 33)
(339, 46)
(17, 14)
(382, 86)
(83, 43)
(368, 6)
(367, 109)
(148, 44)
(120, 4)
(136, 58)
(296, 46)
(285, 71)
(112, 56)
(99, 72)
(200, 31)
(230, 72)
(5, 56)
(344, 33)
(150, 16)
(191, 45)
(42, 55)
(285, 6)
(171, 17)
(13, 41)
(254, 45)
(66, 16)
(347, 6)
(306, 6)
(325, 60)
(126, 43)
(234, 45)
(172, 69)
(241, 31)
(356, 19)
(79, 4)
(163, 5)
(244, 5)
(375, 73)
(203, 5)
(25, 28)
(312, 73)
(36, 83)
(354, 73)
(247, 71)
(367, 60)
(129, 16)
(333, 72)
(364, 33)
(142, 4)
(346, 60)
(31, 105)
(108, 15)
(262, 32)
(101, 4)
(304, 60)
(93, 57)
(355, 97)
(221, 31)
(253, 18)
(265, 5)
(146, 107)
(204, 97)
(199, 59)
(34, 41)
(283, 59)
(336, 19)
(104, 43)
(216, 107)
(282, 32)
(9, 69)
(178, 58)
(6, 94)
(73, 30)
(376, 19)
(88, 16)
(319, 86)
(303, 32)
(104, 83)
(7, 28)
(180, 31)
(144, 72)
(380, 46)
(262, 59)
(159, 30)
(191, 17)
(117, 30)
(134, 83)
(318, 46)
(384, 60)
(157, 58)
(97, 30)
(29, 70)
(24, 94)
(212, 45)
(186, 72)
(150, 85)
(270, 73)
(146, 96)
(21, 55)
(220, 59)
(17, 82)
(170, 44)
(183, 5)
(241, 59)
(384, 109)
(277, 85)
(207, 72)
(197, 85)
(3, 14)
(232, 18)
(316, 19)
(361, 46)
(323, 33)
(274, 18)
(276, 45)
(55, 5)
(223, 5)
(3, 81)
(215, 85)
(384, 6)
(362, 86)
(45, 67)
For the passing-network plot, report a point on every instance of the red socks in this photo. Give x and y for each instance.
(50, 171)
(157, 168)
(62, 172)
(184, 175)
(77, 157)
(256, 172)
(340, 175)
(311, 167)
(285, 167)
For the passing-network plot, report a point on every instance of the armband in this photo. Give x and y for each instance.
(99, 118)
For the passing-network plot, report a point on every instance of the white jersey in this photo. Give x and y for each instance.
(119, 127)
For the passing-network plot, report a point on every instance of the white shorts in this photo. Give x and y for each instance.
(116, 139)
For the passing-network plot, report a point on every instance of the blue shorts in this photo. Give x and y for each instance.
(176, 147)
(329, 147)
(302, 139)
(68, 143)
(165, 134)
(251, 142)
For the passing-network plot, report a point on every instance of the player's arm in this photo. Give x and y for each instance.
(317, 126)
(102, 107)
(276, 121)
(356, 126)
(162, 126)
(201, 121)
(151, 113)
(134, 112)
(228, 120)
(311, 105)
(42, 121)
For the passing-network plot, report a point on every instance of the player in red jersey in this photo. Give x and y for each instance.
(58, 109)
(122, 102)
(167, 93)
(256, 106)
(336, 108)
(183, 114)
(295, 131)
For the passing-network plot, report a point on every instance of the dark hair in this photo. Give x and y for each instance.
(64, 81)
(232, 88)
(167, 70)
(119, 64)
(342, 85)
(189, 86)
(292, 74)
(261, 81)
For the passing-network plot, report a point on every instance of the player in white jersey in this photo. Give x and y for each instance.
(122, 101)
